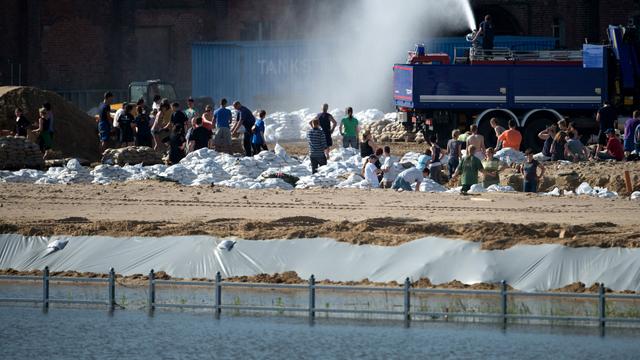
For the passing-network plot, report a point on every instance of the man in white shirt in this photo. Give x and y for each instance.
(116, 124)
(390, 169)
(406, 178)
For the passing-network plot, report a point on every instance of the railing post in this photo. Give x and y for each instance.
(45, 289)
(503, 301)
(112, 290)
(152, 291)
(407, 301)
(218, 295)
(312, 298)
(602, 308)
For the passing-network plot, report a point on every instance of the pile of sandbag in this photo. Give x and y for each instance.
(132, 155)
(75, 132)
(396, 132)
(389, 130)
(377, 127)
(19, 153)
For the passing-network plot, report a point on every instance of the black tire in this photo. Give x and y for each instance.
(533, 127)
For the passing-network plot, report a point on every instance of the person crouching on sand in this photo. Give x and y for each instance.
(406, 178)
(370, 171)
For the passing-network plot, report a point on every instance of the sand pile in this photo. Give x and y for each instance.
(570, 176)
(132, 155)
(75, 132)
(19, 153)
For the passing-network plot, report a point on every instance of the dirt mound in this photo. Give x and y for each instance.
(75, 132)
(606, 174)
(384, 232)
(579, 287)
(292, 277)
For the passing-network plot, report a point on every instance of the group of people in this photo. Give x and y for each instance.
(167, 125)
(44, 129)
(562, 140)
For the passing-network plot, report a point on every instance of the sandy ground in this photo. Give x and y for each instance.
(356, 216)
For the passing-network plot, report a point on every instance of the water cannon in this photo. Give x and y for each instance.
(471, 35)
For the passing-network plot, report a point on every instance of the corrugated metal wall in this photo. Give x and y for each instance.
(278, 74)
(259, 74)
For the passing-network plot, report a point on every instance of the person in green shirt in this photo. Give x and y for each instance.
(468, 170)
(349, 130)
(190, 111)
(492, 167)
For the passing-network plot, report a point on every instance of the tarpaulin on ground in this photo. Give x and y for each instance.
(525, 267)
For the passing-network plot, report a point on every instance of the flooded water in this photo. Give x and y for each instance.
(68, 333)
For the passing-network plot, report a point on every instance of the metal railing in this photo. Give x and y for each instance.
(466, 54)
(311, 287)
(46, 300)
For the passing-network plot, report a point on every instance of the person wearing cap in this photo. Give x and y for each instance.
(104, 120)
(614, 149)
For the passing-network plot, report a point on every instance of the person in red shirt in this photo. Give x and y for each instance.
(511, 138)
(614, 150)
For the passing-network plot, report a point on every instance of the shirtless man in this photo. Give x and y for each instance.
(477, 141)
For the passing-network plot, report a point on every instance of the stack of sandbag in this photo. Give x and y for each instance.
(377, 127)
(132, 155)
(395, 131)
(19, 153)
(75, 132)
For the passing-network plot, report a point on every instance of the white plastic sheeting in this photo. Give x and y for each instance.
(527, 267)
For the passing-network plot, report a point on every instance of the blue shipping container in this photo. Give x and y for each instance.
(280, 75)
(273, 75)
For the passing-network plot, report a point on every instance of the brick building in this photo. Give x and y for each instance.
(99, 44)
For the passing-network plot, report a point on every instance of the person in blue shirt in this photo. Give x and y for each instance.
(125, 123)
(247, 120)
(104, 121)
(222, 121)
(257, 139)
(487, 32)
